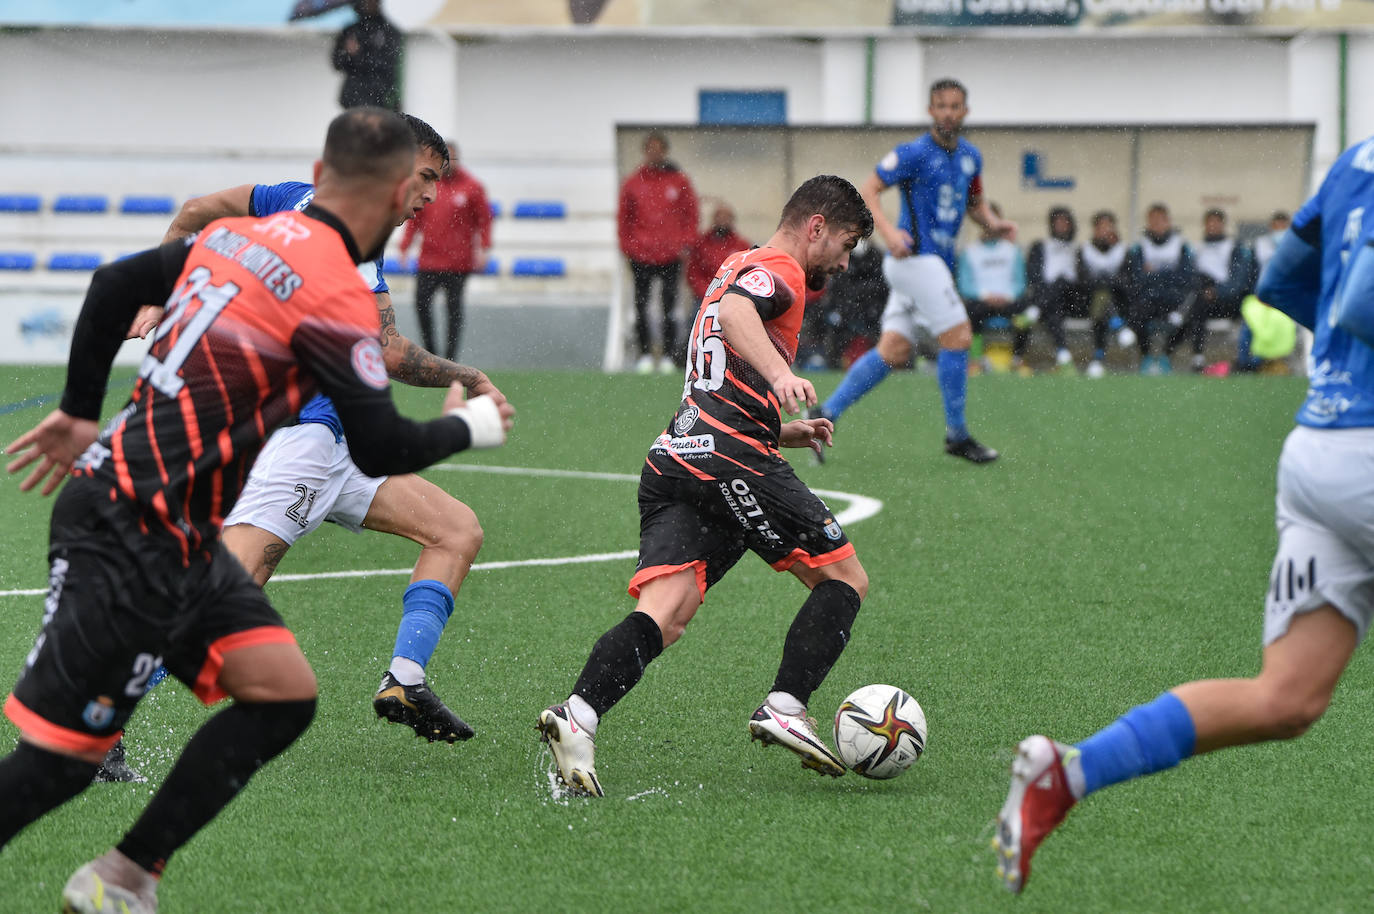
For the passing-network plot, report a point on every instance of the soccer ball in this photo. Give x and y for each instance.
(880, 731)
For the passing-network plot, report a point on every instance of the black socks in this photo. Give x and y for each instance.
(215, 765)
(33, 782)
(618, 660)
(817, 638)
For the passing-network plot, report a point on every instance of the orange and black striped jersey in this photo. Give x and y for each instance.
(263, 313)
(729, 419)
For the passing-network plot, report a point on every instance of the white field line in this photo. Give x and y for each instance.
(860, 507)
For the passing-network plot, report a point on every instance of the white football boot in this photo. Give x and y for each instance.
(574, 750)
(90, 890)
(797, 733)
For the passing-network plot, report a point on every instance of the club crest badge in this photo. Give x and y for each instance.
(686, 420)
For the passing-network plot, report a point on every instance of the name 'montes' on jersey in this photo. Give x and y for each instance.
(729, 418)
(264, 310)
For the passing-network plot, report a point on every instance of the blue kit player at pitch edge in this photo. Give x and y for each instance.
(1321, 589)
(939, 177)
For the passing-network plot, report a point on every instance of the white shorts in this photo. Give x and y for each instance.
(1325, 514)
(302, 478)
(922, 295)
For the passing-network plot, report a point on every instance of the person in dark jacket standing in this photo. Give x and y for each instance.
(368, 54)
(455, 235)
(709, 251)
(657, 220)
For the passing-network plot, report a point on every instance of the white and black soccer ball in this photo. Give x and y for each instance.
(880, 731)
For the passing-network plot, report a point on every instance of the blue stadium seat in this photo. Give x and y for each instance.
(17, 260)
(19, 203)
(540, 209)
(395, 267)
(151, 206)
(495, 209)
(81, 203)
(493, 267)
(74, 262)
(538, 266)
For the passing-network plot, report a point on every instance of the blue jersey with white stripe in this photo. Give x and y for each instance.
(1340, 391)
(274, 198)
(934, 183)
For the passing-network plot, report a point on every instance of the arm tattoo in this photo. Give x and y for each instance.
(412, 364)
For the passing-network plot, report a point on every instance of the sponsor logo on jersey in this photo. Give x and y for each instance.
(284, 228)
(966, 163)
(758, 282)
(368, 363)
(685, 420)
(99, 713)
(745, 506)
(691, 444)
(889, 162)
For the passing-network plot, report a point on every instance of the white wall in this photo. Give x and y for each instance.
(531, 103)
(181, 113)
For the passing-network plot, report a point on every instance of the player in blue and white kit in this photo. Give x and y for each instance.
(1321, 589)
(304, 474)
(939, 178)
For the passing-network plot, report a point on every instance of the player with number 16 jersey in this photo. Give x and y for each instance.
(714, 487)
(729, 418)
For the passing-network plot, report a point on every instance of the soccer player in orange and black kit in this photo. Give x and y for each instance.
(715, 485)
(262, 313)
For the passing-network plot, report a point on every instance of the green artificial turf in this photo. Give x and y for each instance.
(1120, 546)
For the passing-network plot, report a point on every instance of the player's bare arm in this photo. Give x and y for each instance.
(743, 330)
(980, 212)
(410, 363)
(899, 243)
(194, 215)
(198, 212)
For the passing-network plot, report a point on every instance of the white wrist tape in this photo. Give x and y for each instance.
(484, 422)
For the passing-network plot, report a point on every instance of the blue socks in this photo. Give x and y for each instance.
(952, 374)
(865, 374)
(426, 607)
(870, 369)
(1146, 739)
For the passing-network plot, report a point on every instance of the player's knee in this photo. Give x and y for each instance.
(1290, 712)
(296, 683)
(894, 349)
(858, 579)
(960, 337)
(457, 530)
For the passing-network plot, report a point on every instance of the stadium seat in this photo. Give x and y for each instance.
(151, 206)
(540, 209)
(17, 260)
(538, 266)
(74, 262)
(493, 267)
(19, 203)
(81, 203)
(495, 209)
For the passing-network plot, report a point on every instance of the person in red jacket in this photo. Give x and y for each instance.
(658, 222)
(455, 235)
(711, 248)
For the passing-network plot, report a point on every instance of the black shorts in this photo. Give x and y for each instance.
(707, 524)
(120, 604)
